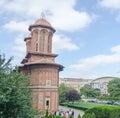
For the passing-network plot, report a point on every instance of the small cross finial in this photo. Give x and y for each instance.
(42, 15)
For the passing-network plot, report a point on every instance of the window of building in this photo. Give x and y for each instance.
(37, 41)
(34, 99)
(36, 46)
(43, 40)
(40, 98)
(49, 43)
(48, 82)
(36, 36)
(47, 103)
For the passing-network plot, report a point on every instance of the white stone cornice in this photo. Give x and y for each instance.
(43, 87)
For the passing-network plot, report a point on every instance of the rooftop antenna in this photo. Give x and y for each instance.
(42, 15)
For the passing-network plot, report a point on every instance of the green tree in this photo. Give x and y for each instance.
(96, 92)
(88, 91)
(15, 95)
(114, 88)
(63, 90)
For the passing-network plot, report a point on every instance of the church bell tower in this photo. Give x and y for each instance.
(39, 63)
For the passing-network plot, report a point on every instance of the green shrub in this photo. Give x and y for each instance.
(46, 114)
(105, 112)
(79, 116)
(70, 116)
(77, 107)
(89, 115)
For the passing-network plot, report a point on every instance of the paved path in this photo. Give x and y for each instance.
(76, 112)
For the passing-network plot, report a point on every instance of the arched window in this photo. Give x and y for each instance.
(36, 36)
(36, 46)
(37, 41)
(43, 40)
(49, 43)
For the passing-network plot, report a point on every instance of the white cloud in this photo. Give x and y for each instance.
(19, 49)
(61, 42)
(114, 4)
(19, 44)
(70, 20)
(61, 13)
(116, 49)
(97, 61)
(111, 4)
(17, 26)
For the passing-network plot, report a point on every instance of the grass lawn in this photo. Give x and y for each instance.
(87, 105)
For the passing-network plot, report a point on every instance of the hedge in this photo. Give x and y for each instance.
(74, 106)
(105, 112)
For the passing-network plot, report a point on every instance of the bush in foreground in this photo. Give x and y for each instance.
(105, 112)
(89, 115)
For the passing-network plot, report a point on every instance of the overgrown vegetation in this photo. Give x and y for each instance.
(15, 95)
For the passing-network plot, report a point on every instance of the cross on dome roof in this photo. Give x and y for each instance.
(42, 15)
(42, 22)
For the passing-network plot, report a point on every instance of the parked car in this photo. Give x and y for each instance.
(110, 102)
(91, 100)
(116, 103)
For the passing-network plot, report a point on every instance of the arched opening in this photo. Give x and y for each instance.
(49, 43)
(36, 47)
(36, 41)
(42, 41)
(36, 36)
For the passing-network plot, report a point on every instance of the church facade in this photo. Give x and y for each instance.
(39, 63)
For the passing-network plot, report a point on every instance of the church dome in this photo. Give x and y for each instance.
(42, 22)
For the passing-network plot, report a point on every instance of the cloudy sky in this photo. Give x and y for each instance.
(87, 36)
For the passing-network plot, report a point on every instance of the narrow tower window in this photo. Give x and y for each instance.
(43, 40)
(36, 46)
(49, 43)
(37, 41)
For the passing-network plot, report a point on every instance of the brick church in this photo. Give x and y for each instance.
(39, 63)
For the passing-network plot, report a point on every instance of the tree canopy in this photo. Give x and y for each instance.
(15, 95)
(88, 91)
(63, 90)
(114, 88)
(73, 95)
(67, 93)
